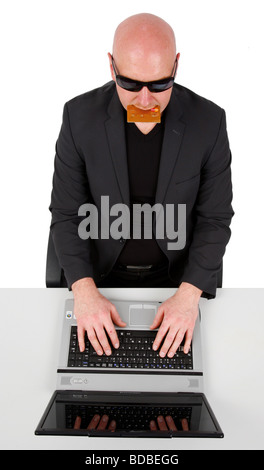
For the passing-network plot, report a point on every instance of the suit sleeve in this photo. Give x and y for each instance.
(213, 215)
(70, 190)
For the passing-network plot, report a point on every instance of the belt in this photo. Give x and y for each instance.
(135, 269)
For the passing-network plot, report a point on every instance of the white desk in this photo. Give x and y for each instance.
(233, 355)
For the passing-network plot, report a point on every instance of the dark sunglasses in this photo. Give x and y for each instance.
(154, 87)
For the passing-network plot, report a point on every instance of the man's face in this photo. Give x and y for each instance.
(138, 68)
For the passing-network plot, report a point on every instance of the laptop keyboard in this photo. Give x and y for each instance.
(128, 417)
(135, 352)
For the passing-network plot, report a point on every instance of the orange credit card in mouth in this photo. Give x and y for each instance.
(135, 114)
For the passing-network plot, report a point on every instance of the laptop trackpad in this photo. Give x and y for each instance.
(142, 314)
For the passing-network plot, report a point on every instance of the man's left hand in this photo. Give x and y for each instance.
(175, 318)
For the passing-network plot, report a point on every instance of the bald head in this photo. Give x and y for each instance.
(144, 50)
(146, 42)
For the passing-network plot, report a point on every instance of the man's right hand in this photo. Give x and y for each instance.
(96, 315)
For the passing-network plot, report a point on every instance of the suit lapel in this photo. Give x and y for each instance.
(173, 134)
(115, 131)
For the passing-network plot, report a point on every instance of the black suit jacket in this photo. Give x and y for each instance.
(194, 170)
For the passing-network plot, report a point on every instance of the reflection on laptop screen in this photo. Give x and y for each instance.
(72, 413)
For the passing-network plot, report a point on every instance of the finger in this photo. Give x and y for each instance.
(77, 423)
(103, 423)
(185, 425)
(168, 341)
(170, 423)
(94, 341)
(158, 319)
(112, 334)
(80, 334)
(94, 421)
(176, 343)
(160, 335)
(188, 340)
(112, 426)
(162, 423)
(116, 317)
(103, 341)
(152, 425)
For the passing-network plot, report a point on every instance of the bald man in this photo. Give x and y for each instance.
(182, 160)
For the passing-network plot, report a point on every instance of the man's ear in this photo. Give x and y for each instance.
(178, 59)
(111, 66)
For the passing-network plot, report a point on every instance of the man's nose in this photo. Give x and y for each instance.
(144, 97)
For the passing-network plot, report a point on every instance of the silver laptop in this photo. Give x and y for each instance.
(132, 386)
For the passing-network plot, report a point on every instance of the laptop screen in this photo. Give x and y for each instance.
(115, 414)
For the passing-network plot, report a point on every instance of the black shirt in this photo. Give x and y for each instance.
(143, 157)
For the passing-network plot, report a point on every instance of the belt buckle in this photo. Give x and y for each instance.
(139, 268)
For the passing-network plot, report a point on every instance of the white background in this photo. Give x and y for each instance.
(54, 50)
